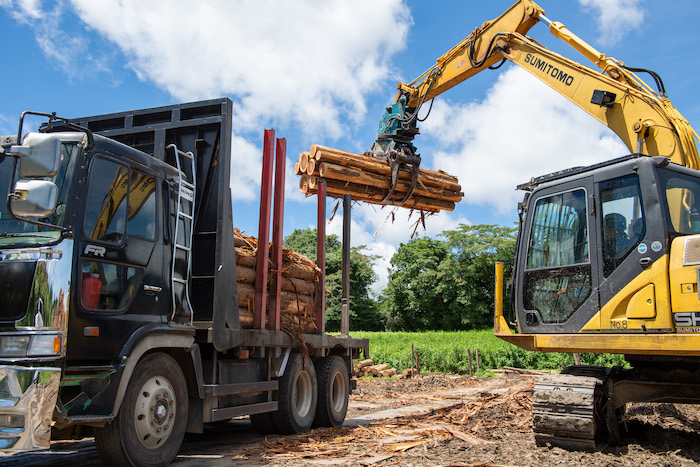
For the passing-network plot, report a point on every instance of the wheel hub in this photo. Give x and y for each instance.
(303, 394)
(155, 411)
(338, 391)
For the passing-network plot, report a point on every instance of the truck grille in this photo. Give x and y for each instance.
(16, 278)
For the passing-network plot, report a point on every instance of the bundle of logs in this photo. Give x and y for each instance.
(299, 278)
(367, 368)
(367, 178)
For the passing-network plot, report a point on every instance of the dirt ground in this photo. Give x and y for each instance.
(482, 422)
(435, 420)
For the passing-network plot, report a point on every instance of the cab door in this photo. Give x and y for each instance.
(120, 265)
(634, 288)
(557, 274)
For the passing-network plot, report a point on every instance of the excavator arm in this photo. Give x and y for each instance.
(644, 119)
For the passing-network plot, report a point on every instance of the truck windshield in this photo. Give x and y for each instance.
(18, 233)
(682, 192)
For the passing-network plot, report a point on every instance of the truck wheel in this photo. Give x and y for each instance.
(150, 425)
(333, 391)
(296, 396)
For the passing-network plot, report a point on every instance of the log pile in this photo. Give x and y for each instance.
(299, 278)
(367, 179)
(367, 368)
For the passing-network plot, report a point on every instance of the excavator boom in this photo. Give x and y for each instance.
(644, 119)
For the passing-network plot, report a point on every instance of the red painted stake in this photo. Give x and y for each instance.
(277, 238)
(263, 253)
(321, 259)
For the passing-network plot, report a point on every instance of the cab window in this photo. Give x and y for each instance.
(105, 216)
(558, 270)
(623, 226)
(559, 235)
(142, 206)
(108, 287)
(682, 194)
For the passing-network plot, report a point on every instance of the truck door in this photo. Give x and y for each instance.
(120, 267)
(557, 272)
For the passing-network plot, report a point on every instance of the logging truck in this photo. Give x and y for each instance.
(124, 317)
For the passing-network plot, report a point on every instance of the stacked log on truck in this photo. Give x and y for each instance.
(367, 179)
(300, 276)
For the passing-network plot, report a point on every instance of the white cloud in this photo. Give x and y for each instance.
(307, 62)
(522, 129)
(246, 164)
(246, 172)
(615, 17)
(66, 49)
(381, 233)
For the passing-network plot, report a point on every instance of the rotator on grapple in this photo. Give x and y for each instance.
(397, 128)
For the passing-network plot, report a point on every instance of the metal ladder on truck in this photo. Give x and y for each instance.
(182, 311)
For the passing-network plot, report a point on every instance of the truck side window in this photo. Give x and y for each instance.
(558, 270)
(105, 216)
(142, 206)
(623, 225)
(108, 287)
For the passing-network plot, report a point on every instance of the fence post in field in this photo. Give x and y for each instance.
(469, 356)
(412, 357)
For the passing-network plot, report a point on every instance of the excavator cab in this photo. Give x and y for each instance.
(589, 260)
(608, 261)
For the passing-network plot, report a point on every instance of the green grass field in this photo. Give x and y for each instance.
(446, 352)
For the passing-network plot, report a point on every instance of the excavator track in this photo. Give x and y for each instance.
(568, 410)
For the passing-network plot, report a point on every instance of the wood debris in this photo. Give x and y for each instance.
(367, 178)
(471, 422)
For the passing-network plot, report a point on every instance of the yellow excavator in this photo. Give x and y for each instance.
(607, 256)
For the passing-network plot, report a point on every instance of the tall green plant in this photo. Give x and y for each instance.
(364, 310)
(447, 284)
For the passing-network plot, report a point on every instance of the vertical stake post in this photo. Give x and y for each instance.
(263, 252)
(345, 269)
(321, 259)
(277, 232)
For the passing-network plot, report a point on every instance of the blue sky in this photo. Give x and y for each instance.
(322, 72)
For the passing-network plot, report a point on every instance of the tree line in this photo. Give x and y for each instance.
(443, 283)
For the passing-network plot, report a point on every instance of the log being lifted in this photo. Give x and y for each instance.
(367, 179)
(299, 277)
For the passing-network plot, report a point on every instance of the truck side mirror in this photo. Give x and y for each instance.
(39, 155)
(34, 198)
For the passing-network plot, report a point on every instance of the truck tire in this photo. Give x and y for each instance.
(333, 391)
(297, 394)
(150, 425)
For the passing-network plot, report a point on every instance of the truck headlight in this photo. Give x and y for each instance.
(14, 346)
(44, 345)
